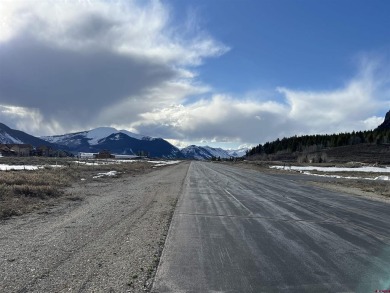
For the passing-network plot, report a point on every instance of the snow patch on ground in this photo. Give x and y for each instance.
(334, 169)
(163, 163)
(92, 156)
(97, 162)
(305, 170)
(107, 174)
(5, 167)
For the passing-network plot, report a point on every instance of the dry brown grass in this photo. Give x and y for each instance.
(375, 187)
(24, 191)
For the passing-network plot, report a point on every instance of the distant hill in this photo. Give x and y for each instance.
(319, 148)
(11, 136)
(386, 123)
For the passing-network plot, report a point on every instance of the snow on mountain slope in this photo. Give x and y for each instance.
(238, 153)
(131, 134)
(195, 152)
(99, 133)
(6, 138)
(204, 152)
(217, 152)
(207, 153)
(70, 139)
(10, 136)
(118, 142)
(91, 137)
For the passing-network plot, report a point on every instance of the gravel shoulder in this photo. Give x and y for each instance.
(108, 239)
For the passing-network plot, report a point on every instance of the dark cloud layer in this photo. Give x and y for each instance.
(74, 65)
(61, 82)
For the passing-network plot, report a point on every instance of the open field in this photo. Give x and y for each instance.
(24, 190)
(375, 189)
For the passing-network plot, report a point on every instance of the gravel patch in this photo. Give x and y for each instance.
(107, 238)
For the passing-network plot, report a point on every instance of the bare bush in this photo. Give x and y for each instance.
(312, 158)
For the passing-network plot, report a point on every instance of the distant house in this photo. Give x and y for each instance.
(21, 150)
(42, 151)
(127, 157)
(5, 151)
(105, 154)
(45, 151)
(86, 155)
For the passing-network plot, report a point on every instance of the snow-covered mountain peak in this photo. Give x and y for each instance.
(132, 134)
(96, 134)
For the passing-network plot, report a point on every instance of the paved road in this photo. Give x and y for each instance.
(238, 230)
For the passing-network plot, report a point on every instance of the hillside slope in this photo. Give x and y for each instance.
(11, 136)
(386, 123)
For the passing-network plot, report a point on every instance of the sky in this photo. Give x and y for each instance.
(223, 73)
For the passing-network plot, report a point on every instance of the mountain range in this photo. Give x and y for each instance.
(117, 142)
(206, 152)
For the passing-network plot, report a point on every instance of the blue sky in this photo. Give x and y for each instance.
(225, 73)
(300, 44)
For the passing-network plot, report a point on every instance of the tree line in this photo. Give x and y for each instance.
(320, 142)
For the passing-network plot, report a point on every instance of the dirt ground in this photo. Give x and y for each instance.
(374, 189)
(106, 235)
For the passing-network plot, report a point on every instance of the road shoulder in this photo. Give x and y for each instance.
(108, 242)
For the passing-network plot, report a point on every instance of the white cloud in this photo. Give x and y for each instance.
(74, 65)
(84, 63)
(127, 27)
(28, 119)
(253, 120)
(372, 122)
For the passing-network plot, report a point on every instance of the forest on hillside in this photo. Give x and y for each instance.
(312, 143)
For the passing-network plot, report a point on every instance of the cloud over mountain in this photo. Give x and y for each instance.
(259, 118)
(80, 62)
(73, 65)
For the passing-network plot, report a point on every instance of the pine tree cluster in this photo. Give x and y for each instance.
(320, 142)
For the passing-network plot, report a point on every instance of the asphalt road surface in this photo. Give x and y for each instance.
(237, 230)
